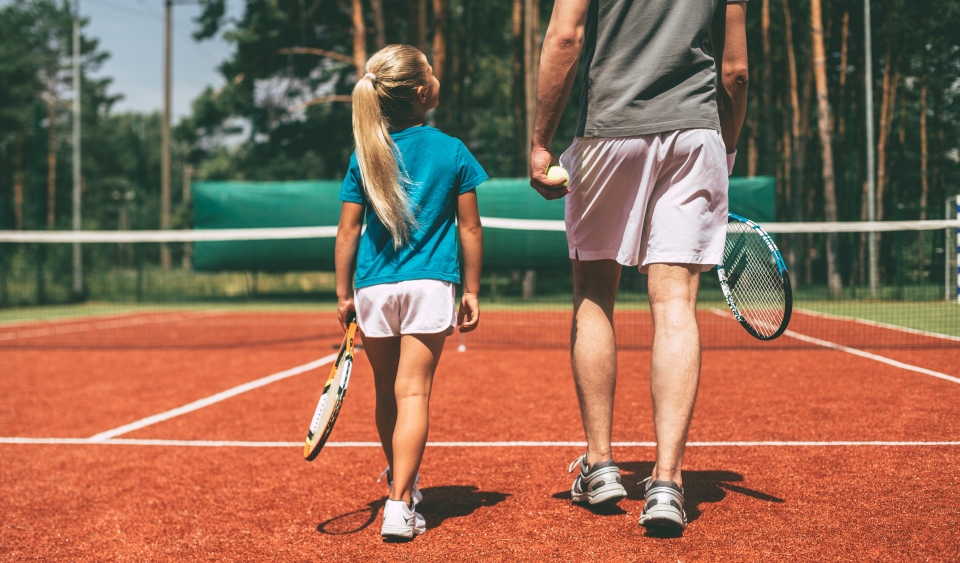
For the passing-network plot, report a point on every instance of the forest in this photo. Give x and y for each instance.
(284, 112)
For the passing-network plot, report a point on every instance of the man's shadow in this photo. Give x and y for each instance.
(698, 487)
(439, 503)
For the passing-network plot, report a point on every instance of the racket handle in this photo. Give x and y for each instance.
(351, 317)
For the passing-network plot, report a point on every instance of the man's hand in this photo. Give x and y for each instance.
(345, 307)
(562, 44)
(540, 160)
(468, 317)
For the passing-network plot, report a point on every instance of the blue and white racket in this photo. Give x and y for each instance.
(754, 280)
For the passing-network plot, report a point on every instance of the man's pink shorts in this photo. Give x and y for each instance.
(651, 199)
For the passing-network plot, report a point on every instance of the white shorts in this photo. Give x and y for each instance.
(407, 307)
(658, 198)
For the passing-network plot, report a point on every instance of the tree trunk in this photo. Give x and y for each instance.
(826, 146)
(376, 10)
(770, 158)
(844, 58)
(796, 155)
(359, 39)
(439, 38)
(422, 25)
(753, 125)
(18, 185)
(924, 183)
(519, 89)
(890, 80)
(531, 58)
(52, 162)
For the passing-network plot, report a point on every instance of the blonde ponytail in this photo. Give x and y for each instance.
(384, 96)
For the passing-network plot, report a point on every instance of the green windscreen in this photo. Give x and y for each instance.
(232, 205)
(241, 205)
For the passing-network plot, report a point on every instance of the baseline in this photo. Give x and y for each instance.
(212, 399)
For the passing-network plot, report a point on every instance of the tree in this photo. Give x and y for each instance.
(826, 143)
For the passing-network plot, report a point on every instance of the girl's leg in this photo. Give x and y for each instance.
(419, 355)
(384, 355)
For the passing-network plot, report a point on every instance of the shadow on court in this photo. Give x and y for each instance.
(699, 487)
(439, 503)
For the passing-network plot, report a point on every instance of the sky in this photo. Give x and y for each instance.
(132, 32)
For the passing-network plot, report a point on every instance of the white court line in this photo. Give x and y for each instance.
(514, 444)
(223, 395)
(877, 324)
(861, 353)
(91, 325)
(869, 356)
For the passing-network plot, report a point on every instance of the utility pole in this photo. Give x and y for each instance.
(873, 260)
(165, 158)
(77, 256)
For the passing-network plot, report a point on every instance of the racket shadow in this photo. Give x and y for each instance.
(353, 521)
(439, 504)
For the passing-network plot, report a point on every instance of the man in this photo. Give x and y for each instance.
(648, 168)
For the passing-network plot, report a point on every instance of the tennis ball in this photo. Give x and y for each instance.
(558, 173)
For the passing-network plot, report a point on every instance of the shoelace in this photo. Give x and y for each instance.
(575, 462)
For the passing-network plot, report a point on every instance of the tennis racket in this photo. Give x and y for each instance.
(754, 279)
(332, 397)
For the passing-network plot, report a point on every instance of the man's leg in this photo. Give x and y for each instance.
(675, 367)
(593, 351)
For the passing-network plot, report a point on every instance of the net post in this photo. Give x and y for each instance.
(958, 251)
(948, 212)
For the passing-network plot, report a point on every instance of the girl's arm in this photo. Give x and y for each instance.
(348, 239)
(471, 242)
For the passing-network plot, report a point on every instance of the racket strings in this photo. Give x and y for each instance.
(754, 279)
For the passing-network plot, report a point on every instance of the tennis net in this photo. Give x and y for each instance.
(246, 287)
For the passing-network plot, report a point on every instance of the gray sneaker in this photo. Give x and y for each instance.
(597, 484)
(664, 506)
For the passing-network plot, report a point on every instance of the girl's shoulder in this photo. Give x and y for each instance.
(432, 135)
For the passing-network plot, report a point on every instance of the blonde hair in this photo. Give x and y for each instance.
(384, 97)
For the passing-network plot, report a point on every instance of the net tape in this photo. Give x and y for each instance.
(279, 233)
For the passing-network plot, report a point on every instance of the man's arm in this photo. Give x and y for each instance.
(558, 69)
(728, 35)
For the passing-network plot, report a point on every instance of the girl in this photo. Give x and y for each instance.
(416, 186)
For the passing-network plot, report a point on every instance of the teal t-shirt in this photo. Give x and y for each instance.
(441, 168)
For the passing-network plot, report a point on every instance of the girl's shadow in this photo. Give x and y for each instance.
(699, 487)
(439, 503)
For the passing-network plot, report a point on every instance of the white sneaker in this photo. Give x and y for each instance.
(597, 484)
(416, 496)
(401, 522)
(663, 508)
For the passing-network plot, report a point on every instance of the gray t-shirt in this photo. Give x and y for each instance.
(647, 69)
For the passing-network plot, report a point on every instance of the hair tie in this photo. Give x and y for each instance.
(371, 76)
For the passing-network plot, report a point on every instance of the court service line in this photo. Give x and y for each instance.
(91, 325)
(861, 353)
(507, 444)
(879, 324)
(869, 356)
(212, 399)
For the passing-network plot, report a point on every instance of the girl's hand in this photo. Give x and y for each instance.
(345, 307)
(468, 317)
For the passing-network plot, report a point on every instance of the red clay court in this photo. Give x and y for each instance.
(177, 435)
